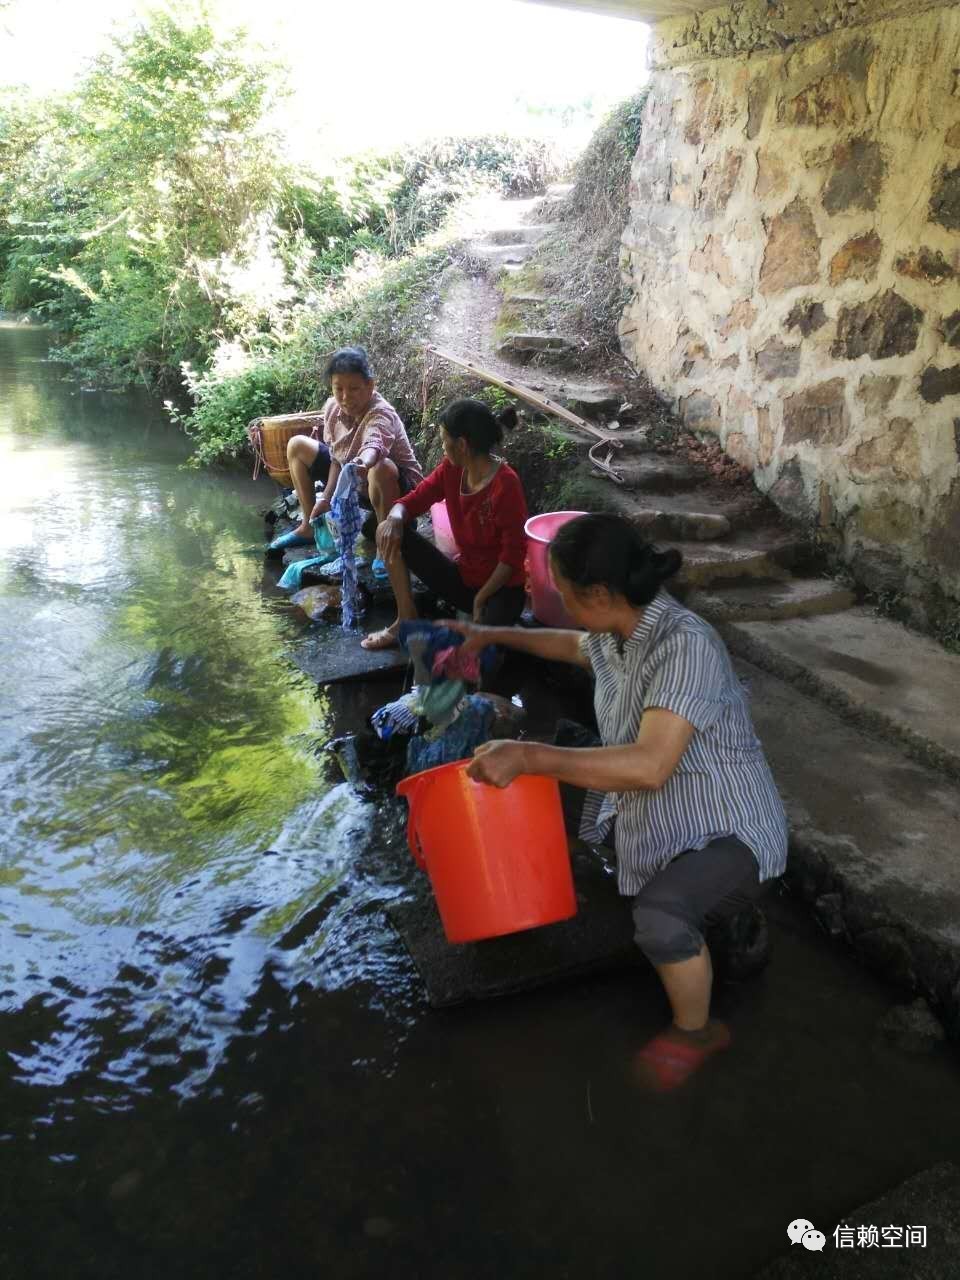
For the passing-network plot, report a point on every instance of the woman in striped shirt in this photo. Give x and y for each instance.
(681, 777)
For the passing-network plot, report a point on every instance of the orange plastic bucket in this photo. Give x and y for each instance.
(497, 858)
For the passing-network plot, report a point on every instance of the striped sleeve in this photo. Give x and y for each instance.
(687, 679)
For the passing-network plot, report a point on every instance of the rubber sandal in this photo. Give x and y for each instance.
(287, 541)
(668, 1062)
(377, 640)
(379, 569)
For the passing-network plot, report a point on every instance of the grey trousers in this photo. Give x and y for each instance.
(697, 889)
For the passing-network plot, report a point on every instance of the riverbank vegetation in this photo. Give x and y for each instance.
(152, 217)
(578, 266)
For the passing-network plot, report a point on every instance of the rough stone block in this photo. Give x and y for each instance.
(876, 390)
(742, 315)
(792, 255)
(836, 99)
(943, 536)
(719, 183)
(936, 383)
(740, 449)
(857, 259)
(858, 172)
(758, 96)
(953, 136)
(773, 177)
(945, 201)
(707, 112)
(790, 492)
(818, 414)
(700, 412)
(711, 260)
(895, 450)
(884, 326)
(776, 360)
(925, 264)
(807, 316)
(912, 1027)
(887, 952)
(766, 444)
(951, 329)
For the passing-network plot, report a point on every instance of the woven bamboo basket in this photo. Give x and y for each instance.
(270, 436)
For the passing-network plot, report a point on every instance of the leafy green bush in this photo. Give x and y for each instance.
(387, 314)
(580, 263)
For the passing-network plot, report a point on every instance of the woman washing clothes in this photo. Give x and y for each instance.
(487, 512)
(681, 777)
(359, 426)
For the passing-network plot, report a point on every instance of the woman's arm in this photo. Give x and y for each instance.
(552, 644)
(644, 765)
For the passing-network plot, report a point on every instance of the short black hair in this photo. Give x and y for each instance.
(608, 551)
(350, 360)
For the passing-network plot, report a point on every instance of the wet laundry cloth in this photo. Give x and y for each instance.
(456, 665)
(473, 726)
(441, 694)
(292, 578)
(345, 509)
(404, 715)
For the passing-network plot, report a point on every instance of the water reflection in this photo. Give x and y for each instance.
(152, 751)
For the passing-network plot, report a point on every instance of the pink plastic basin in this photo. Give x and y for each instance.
(442, 533)
(540, 530)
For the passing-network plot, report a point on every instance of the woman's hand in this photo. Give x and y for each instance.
(474, 637)
(320, 507)
(478, 602)
(497, 763)
(389, 536)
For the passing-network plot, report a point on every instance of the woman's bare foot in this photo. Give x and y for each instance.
(385, 639)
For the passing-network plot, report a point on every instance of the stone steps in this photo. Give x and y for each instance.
(760, 553)
(765, 601)
(503, 255)
(545, 346)
(873, 835)
(876, 672)
(521, 233)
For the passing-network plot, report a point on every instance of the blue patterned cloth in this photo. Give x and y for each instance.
(402, 716)
(346, 511)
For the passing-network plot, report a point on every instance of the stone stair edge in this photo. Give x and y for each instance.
(924, 749)
(870, 880)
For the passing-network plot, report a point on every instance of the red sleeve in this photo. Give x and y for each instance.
(511, 513)
(428, 491)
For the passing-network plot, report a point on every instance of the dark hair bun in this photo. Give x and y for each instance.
(609, 551)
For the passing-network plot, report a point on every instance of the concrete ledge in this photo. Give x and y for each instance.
(875, 672)
(873, 842)
(770, 601)
(756, 26)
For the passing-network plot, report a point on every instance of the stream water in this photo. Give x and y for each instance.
(215, 1057)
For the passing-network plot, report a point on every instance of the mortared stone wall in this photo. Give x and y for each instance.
(793, 257)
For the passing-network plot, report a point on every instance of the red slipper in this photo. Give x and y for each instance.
(668, 1061)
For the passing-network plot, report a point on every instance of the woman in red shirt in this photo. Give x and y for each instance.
(487, 512)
